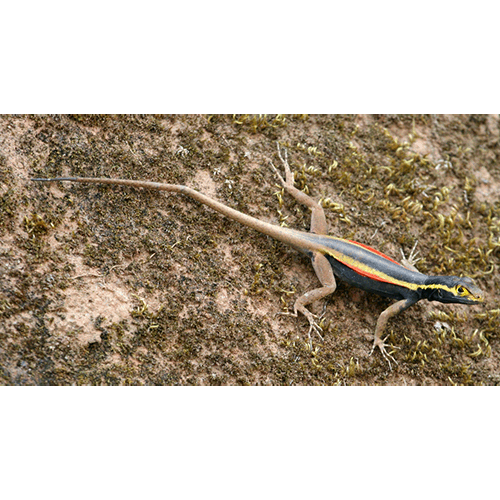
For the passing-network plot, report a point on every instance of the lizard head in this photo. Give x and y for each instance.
(453, 289)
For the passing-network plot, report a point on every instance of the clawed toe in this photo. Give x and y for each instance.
(412, 259)
(313, 325)
(380, 343)
(286, 313)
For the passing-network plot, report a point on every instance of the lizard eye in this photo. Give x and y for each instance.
(461, 290)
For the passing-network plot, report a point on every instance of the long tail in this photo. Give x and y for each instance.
(297, 239)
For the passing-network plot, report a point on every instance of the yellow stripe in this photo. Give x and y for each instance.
(349, 261)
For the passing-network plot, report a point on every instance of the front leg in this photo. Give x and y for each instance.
(382, 322)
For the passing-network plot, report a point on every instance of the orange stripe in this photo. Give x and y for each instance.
(374, 251)
(366, 273)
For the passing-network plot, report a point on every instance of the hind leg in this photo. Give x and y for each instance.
(325, 275)
(318, 219)
(320, 263)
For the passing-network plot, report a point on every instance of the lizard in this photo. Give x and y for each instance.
(355, 263)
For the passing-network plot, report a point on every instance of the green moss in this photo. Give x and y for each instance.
(5, 171)
(8, 206)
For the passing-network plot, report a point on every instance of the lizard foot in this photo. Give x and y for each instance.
(381, 345)
(412, 259)
(313, 325)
